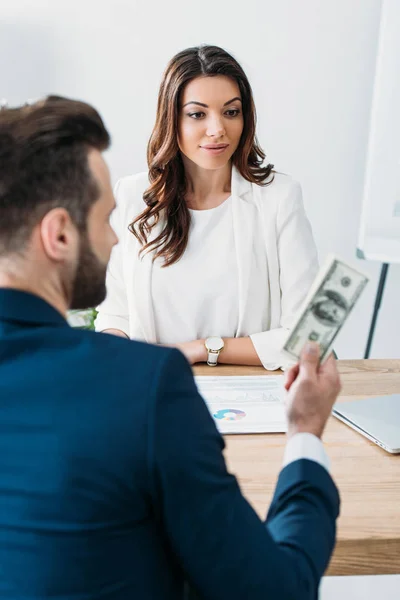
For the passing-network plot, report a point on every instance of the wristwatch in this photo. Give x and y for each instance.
(214, 345)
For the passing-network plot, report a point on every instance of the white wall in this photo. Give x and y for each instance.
(311, 64)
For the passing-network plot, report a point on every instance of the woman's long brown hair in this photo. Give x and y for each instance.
(166, 195)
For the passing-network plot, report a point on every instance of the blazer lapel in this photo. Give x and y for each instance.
(244, 215)
(142, 289)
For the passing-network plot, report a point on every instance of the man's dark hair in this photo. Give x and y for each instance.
(44, 164)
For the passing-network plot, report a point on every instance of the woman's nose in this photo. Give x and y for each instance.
(215, 127)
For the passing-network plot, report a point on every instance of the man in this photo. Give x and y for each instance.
(113, 481)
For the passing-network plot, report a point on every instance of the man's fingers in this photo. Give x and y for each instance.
(291, 376)
(309, 358)
(329, 367)
(329, 370)
(329, 364)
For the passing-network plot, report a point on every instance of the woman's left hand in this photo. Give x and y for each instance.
(194, 351)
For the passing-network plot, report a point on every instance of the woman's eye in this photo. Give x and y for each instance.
(233, 112)
(196, 115)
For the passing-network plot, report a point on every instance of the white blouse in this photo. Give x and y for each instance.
(185, 306)
(248, 267)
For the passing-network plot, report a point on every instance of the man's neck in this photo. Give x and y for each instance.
(45, 288)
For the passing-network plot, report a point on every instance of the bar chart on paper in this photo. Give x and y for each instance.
(245, 404)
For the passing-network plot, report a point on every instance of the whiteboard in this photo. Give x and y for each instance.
(379, 235)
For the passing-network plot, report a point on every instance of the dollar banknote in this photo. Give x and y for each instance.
(332, 297)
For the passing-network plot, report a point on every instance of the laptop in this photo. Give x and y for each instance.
(378, 419)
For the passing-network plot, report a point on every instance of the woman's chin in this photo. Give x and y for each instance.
(213, 162)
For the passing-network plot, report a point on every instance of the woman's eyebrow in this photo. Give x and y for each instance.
(206, 105)
(194, 102)
(233, 100)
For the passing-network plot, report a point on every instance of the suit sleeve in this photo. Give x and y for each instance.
(298, 266)
(113, 313)
(225, 550)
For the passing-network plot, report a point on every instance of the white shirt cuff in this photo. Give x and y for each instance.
(306, 445)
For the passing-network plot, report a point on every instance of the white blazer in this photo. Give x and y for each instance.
(290, 251)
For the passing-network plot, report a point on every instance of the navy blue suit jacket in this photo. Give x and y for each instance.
(113, 484)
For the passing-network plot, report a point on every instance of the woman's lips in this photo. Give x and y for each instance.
(220, 149)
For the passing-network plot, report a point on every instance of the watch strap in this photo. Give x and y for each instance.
(212, 358)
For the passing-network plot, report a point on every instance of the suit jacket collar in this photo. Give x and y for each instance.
(142, 287)
(24, 307)
(244, 216)
(239, 185)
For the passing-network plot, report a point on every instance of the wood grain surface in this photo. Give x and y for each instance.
(368, 478)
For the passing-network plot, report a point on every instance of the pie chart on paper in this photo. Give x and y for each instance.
(245, 404)
(229, 414)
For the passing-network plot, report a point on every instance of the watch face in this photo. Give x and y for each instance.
(215, 343)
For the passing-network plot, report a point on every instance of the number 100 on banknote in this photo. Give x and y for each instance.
(332, 297)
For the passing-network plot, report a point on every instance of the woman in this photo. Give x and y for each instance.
(212, 243)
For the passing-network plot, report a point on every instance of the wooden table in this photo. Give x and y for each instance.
(368, 478)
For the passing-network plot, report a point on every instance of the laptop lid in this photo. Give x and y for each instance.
(377, 418)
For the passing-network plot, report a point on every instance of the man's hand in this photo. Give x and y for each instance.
(194, 351)
(312, 391)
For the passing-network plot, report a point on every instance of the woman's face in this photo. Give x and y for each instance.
(210, 121)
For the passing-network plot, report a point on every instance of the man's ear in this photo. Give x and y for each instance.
(58, 234)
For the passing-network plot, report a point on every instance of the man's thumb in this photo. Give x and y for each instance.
(310, 356)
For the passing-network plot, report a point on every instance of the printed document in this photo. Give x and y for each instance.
(245, 404)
